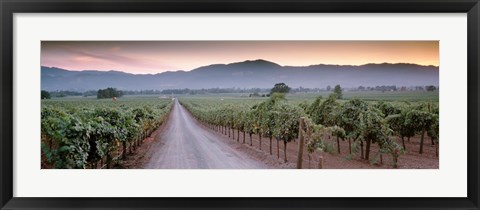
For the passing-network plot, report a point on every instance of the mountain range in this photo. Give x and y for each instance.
(246, 74)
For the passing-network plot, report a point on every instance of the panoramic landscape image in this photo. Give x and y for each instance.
(240, 105)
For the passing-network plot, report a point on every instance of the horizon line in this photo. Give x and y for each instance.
(325, 64)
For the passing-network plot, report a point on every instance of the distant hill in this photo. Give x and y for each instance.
(246, 74)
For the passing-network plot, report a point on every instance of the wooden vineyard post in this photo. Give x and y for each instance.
(300, 142)
(320, 162)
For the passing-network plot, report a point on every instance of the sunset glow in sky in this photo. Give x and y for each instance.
(150, 57)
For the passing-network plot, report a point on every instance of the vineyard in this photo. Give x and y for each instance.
(325, 124)
(317, 132)
(96, 133)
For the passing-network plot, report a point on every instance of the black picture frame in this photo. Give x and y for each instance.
(10, 7)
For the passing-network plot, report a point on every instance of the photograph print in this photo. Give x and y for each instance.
(308, 104)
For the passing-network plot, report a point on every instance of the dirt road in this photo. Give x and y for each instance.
(184, 143)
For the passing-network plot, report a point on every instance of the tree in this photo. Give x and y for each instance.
(422, 121)
(305, 106)
(239, 121)
(433, 132)
(108, 93)
(66, 138)
(350, 118)
(388, 146)
(365, 123)
(229, 117)
(374, 128)
(430, 88)
(132, 130)
(280, 88)
(249, 123)
(387, 108)
(286, 124)
(98, 144)
(258, 125)
(45, 94)
(313, 108)
(267, 117)
(324, 113)
(338, 91)
(315, 136)
(116, 131)
(397, 123)
(339, 133)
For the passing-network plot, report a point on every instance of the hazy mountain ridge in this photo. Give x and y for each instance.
(246, 74)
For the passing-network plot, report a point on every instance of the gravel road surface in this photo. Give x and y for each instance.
(185, 144)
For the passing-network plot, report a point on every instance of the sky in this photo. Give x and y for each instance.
(150, 57)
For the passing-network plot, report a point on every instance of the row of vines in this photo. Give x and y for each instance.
(361, 123)
(96, 134)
